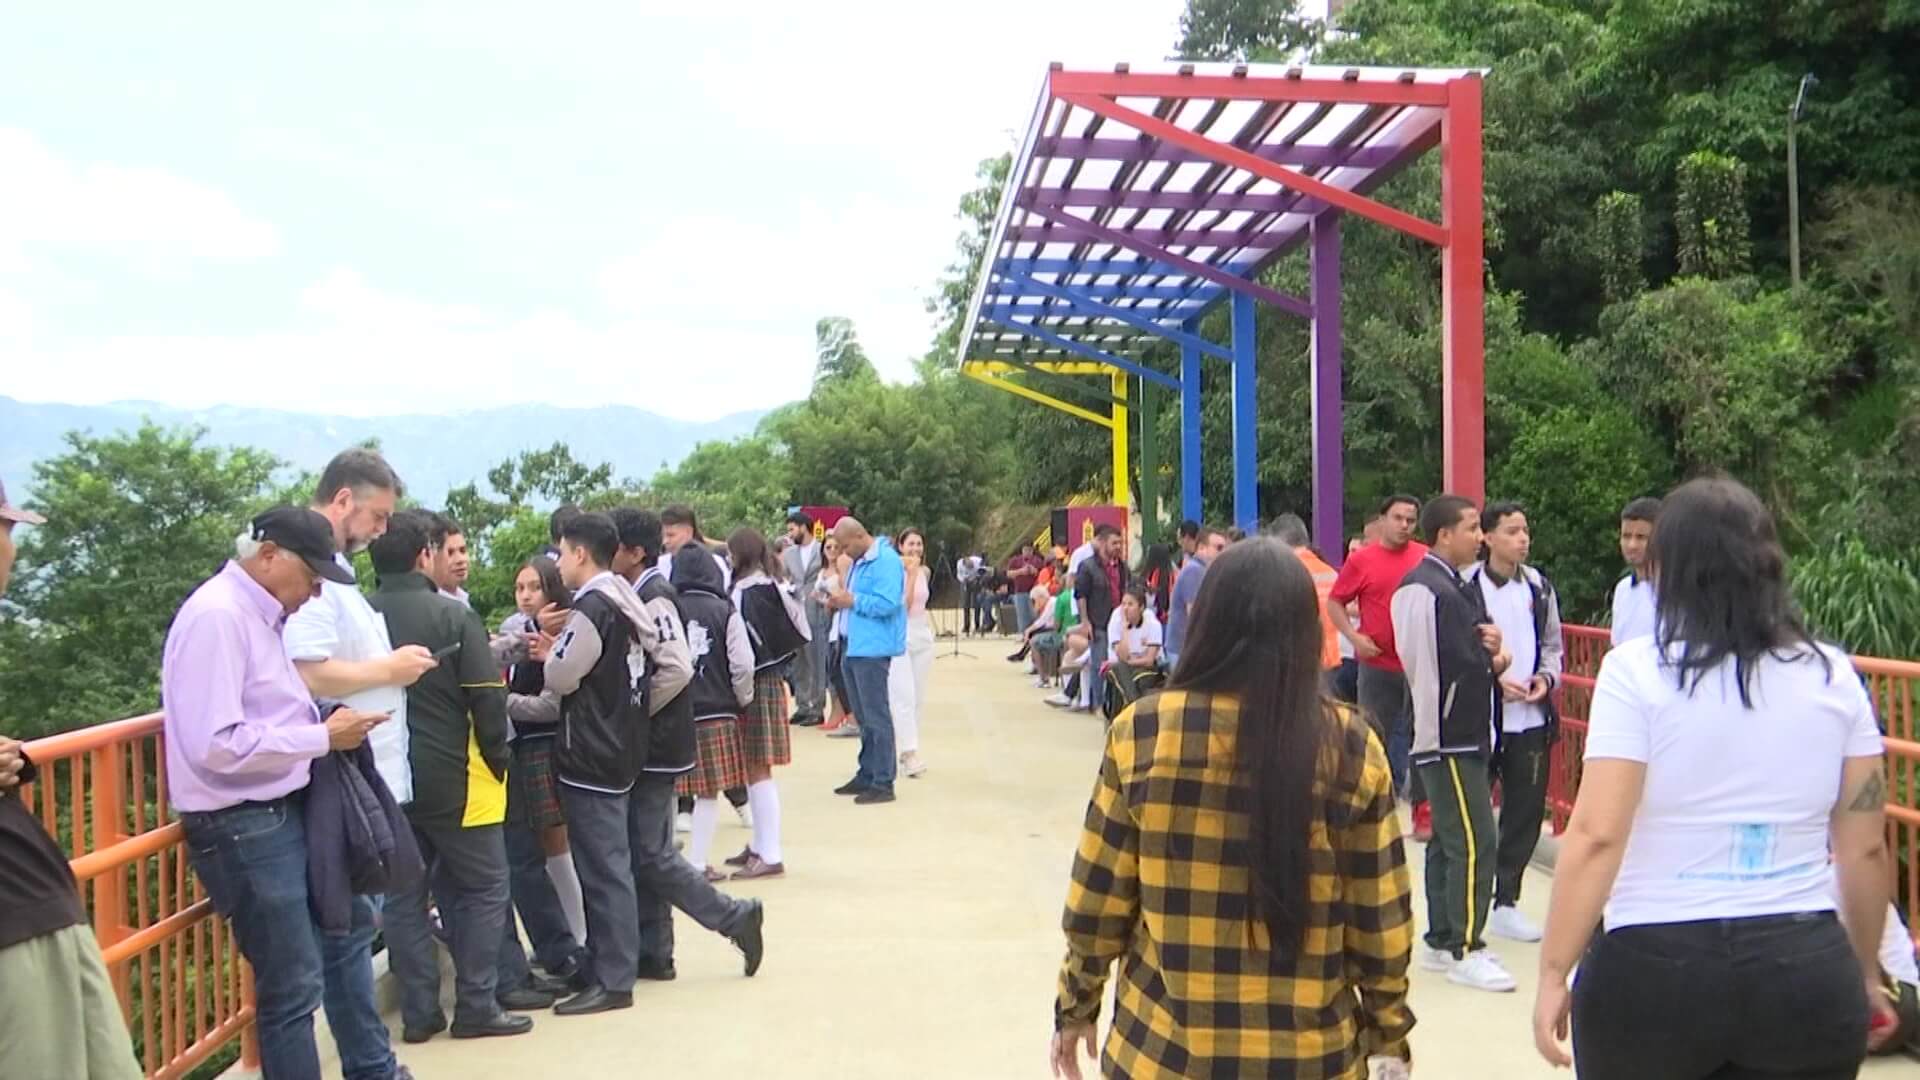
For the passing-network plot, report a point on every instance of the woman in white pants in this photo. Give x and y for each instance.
(907, 676)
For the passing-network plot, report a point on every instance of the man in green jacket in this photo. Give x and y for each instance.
(457, 732)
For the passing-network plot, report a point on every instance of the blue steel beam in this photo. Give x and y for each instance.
(1087, 351)
(1095, 309)
(1104, 292)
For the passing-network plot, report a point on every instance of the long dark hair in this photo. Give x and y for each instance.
(1157, 568)
(1720, 585)
(551, 585)
(751, 552)
(1255, 636)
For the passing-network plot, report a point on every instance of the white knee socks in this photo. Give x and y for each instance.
(706, 820)
(764, 797)
(566, 884)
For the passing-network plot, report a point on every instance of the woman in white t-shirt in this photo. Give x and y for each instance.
(1727, 758)
(1134, 640)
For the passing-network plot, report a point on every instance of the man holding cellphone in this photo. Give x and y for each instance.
(457, 745)
(241, 735)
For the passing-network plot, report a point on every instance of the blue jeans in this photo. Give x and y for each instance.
(1022, 611)
(867, 683)
(1385, 701)
(252, 859)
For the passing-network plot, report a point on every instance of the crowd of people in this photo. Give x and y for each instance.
(351, 764)
(1243, 858)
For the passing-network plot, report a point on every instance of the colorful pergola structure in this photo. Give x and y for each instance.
(1143, 197)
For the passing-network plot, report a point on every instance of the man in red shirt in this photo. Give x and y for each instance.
(1370, 576)
(1022, 571)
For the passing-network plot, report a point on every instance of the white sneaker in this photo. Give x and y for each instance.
(1040, 682)
(1482, 970)
(683, 823)
(1058, 701)
(745, 814)
(1433, 959)
(1511, 923)
(1389, 1068)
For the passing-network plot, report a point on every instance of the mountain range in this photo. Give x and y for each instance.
(432, 453)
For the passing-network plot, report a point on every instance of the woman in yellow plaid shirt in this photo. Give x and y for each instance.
(1241, 860)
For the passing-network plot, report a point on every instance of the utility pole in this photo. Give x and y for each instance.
(1794, 116)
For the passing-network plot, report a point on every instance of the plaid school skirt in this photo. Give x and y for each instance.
(765, 735)
(531, 798)
(721, 764)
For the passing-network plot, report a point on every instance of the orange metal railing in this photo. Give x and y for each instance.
(1894, 686)
(182, 985)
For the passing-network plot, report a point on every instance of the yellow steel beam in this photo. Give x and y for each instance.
(969, 370)
(1052, 367)
(1119, 428)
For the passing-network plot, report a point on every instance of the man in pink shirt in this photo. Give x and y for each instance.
(242, 733)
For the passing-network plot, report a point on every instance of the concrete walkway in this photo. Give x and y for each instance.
(921, 938)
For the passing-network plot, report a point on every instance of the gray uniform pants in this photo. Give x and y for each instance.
(810, 667)
(468, 868)
(663, 880)
(629, 874)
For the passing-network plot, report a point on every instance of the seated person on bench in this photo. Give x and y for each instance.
(1134, 641)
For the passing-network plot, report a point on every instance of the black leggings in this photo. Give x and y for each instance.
(836, 676)
(1729, 999)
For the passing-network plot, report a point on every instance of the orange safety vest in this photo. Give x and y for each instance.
(1323, 578)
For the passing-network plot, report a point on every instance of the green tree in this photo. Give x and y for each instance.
(838, 357)
(1245, 30)
(1620, 245)
(954, 291)
(1731, 376)
(882, 451)
(134, 523)
(1711, 218)
(744, 482)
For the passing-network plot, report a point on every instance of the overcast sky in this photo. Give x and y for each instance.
(388, 207)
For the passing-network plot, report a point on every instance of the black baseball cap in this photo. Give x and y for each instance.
(305, 533)
(10, 512)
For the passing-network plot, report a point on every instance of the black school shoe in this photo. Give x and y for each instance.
(852, 787)
(873, 795)
(594, 999)
(499, 1024)
(658, 971)
(749, 938)
(417, 1035)
(525, 999)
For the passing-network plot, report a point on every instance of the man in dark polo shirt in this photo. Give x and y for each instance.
(58, 1013)
(1097, 588)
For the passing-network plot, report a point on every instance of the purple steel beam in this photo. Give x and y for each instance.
(1292, 238)
(1066, 222)
(1329, 492)
(1233, 239)
(1169, 200)
(1132, 149)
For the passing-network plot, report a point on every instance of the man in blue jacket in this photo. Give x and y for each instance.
(876, 635)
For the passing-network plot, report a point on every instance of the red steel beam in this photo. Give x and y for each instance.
(1463, 295)
(1367, 208)
(1246, 88)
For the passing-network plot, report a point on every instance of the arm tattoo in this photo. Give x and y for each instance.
(1872, 795)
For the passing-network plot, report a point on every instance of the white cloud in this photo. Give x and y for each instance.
(361, 350)
(770, 165)
(152, 220)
